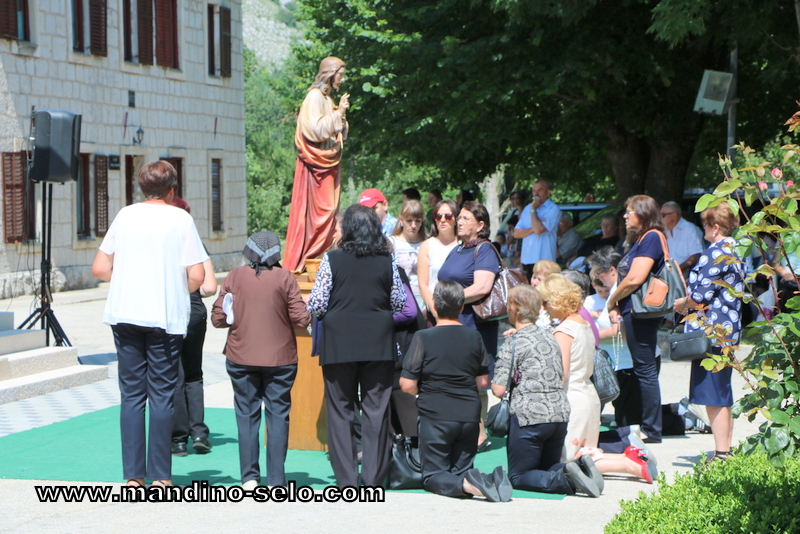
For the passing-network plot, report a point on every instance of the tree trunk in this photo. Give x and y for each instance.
(655, 165)
(629, 157)
(671, 144)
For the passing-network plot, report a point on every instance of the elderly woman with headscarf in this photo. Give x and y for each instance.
(321, 131)
(260, 303)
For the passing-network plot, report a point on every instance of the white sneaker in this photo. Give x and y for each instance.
(250, 485)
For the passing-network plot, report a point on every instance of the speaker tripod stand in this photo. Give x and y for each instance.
(44, 312)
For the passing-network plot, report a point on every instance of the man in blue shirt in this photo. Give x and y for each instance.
(538, 227)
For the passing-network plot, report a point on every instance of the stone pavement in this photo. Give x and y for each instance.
(80, 314)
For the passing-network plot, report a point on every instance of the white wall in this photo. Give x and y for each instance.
(177, 110)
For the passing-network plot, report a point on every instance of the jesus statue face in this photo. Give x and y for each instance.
(337, 79)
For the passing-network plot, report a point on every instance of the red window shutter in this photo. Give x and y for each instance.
(8, 19)
(212, 67)
(101, 195)
(145, 21)
(127, 42)
(167, 33)
(14, 196)
(225, 42)
(216, 195)
(77, 25)
(98, 24)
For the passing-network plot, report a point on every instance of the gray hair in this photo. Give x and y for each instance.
(604, 259)
(675, 206)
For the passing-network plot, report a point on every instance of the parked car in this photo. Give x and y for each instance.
(581, 211)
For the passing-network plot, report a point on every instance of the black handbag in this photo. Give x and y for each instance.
(493, 306)
(604, 377)
(689, 346)
(657, 295)
(498, 419)
(405, 468)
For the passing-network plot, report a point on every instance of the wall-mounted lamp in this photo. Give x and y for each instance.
(138, 136)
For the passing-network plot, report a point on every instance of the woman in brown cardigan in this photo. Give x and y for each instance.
(260, 303)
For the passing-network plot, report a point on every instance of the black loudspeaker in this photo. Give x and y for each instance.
(56, 146)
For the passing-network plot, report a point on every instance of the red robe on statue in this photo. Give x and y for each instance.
(319, 137)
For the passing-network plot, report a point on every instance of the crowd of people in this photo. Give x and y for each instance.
(400, 345)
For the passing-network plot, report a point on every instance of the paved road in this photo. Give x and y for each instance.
(80, 314)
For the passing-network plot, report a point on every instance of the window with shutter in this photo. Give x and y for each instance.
(225, 41)
(15, 20)
(216, 195)
(167, 33)
(101, 195)
(83, 210)
(127, 31)
(98, 14)
(89, 17)
(14, 201)
(145, 31)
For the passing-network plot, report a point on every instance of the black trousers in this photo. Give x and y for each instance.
(189, 402)
(342, 381)
(447, 451)
(272, 386)
(148, 371)
(642, 336)
(534, 457)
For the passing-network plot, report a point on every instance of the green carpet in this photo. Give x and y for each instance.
(87, 449)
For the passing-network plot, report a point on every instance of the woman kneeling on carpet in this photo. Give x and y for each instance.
(445, 366)
(260, 303)
(540, 410)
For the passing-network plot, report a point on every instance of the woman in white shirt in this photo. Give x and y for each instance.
(153, 257)
(435, 249)
(407, 237)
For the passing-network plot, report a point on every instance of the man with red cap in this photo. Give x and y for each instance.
(372, 198)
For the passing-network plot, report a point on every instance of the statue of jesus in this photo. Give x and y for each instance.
(321, 132)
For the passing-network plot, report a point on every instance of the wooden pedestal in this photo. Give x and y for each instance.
(308, 423)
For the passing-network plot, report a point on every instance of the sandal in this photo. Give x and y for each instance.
(163, 484)
(135, 483)
(720, 456)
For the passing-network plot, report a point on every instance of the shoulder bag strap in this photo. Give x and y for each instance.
(664, 246)
(507, 395)
(499, 259)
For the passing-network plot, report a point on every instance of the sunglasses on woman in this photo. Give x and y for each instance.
(445, 216)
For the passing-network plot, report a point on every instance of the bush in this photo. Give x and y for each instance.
(744, 494)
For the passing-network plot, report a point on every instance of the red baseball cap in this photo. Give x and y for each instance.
(370, 197)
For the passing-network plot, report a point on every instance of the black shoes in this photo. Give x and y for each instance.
(578, 480)
(484, 484)
(586, 464)
(201, 445)
(502, 484)
(179, 449)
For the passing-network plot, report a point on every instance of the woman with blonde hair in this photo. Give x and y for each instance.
(563, 299)
(408, 235)
(543, 268)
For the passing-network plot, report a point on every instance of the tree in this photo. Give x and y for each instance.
(572, 91)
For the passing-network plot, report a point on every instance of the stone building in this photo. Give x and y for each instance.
(152, 79)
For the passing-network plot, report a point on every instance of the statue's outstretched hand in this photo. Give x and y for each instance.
(344, 103)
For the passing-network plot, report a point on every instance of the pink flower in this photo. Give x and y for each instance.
(789, 183)
(777, 173)
(762, 186)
